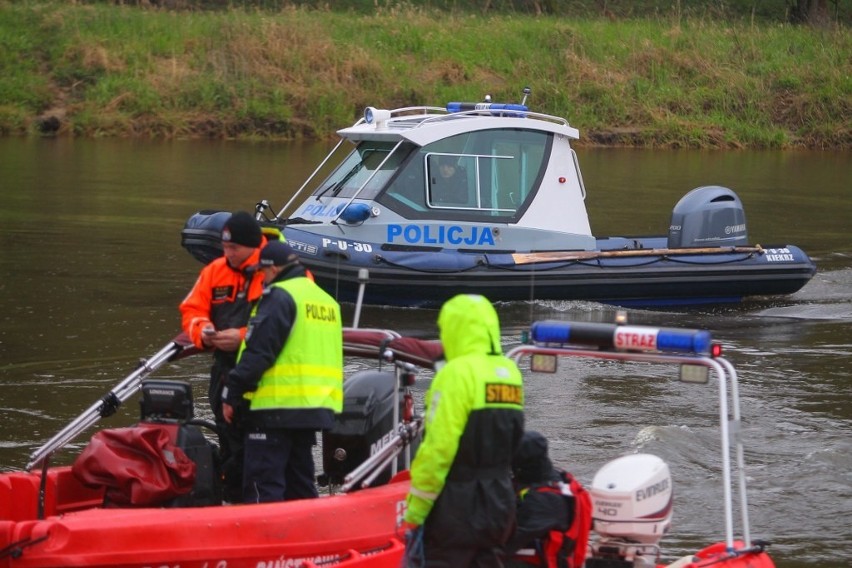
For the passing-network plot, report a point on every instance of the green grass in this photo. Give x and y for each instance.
(673, 80)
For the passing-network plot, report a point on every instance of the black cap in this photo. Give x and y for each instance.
(531, 463)
(242, 229)
(277, 253)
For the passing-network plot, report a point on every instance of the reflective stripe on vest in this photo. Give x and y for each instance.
(309, 370)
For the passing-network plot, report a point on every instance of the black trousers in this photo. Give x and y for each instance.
(278, 465)
(230, 435)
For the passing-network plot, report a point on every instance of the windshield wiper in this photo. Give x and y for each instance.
(337, 186)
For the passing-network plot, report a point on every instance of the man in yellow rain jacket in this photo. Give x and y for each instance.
(461, 506)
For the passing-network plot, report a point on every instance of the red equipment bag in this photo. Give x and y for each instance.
(139, 466)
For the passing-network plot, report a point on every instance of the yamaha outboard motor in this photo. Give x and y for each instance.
(709, 216)
(364, 427)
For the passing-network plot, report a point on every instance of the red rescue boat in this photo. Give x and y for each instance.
(51, 518)
(55, 517)
(345, 529)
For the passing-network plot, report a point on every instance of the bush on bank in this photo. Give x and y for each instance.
(666, 81)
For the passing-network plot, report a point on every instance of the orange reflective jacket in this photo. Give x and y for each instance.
(222, 296)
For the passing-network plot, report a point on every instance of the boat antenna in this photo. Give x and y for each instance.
(527, 92)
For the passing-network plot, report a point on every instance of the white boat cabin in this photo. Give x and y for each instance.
(482, 176)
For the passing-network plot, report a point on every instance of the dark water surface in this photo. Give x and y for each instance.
(92, 273)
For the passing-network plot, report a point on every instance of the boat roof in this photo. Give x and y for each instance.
(424, 124)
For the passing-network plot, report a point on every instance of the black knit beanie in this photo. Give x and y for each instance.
(531, 463)
(241, 229)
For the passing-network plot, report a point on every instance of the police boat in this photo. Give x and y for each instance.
(510, 222)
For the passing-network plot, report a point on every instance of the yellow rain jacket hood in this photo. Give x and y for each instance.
(468, 325)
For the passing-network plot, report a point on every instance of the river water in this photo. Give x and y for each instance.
(92, 273)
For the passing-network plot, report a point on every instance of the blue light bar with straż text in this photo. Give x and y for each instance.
(622, 337)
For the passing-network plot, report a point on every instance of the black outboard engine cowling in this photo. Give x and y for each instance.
(163, 461)
(170, 403)
(364, 427)
(709, 216)
(202, 235)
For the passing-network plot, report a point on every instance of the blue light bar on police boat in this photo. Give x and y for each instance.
(622, 337)
(504, 109)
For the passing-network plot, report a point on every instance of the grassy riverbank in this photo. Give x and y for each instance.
(670, 81)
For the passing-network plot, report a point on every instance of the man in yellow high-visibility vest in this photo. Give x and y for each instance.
(290, 375)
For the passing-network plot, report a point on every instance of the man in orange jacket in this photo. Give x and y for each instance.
(214, 315)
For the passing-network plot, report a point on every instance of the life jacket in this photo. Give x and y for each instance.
(566, 549)
(308, 372)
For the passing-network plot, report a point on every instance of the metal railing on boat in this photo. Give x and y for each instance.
(591, 340)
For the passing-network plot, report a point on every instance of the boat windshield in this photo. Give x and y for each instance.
(360, 166)
(492, 173)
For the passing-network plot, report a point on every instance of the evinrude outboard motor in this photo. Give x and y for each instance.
(632, 510)
(709, 216)
(364, 427)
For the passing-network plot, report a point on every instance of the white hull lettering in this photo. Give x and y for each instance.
(296, 562)
(316, 210)
(627, 337)
(380, 443)
(301, 247)
(346, 246)
(779, 255)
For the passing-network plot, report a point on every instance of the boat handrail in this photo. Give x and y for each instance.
(280, 214)
(725, 374)
(109, 403)
(422, 109)
(433, 114)
(474, 113)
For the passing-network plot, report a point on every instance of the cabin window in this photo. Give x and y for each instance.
(368, 164)
(450, 180)
(487, 174)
